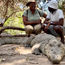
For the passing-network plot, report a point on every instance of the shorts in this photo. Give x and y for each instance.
(53, 32)
(33, 29)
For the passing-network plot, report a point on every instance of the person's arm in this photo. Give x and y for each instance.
(46, 21)
(26, 22)
(61, 19)
(60, 22)
(44, 15)
(47, 18)
(41, 13)
(46, 24)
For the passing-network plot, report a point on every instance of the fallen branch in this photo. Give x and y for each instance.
(9, 27)
(9, 16)
(14, 35)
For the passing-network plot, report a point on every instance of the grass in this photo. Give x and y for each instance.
(16, 21)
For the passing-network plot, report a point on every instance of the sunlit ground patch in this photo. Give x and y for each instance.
(23, 50)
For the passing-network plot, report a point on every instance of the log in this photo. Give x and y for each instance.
(9, 27)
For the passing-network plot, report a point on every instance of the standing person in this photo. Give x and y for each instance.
(40, 4)
(56, 18)
(31, 18)
(43, 5)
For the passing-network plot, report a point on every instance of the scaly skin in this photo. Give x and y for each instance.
(49, 46)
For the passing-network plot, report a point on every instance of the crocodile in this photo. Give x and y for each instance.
(50, 46)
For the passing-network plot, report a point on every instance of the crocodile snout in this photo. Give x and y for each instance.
(56, 59)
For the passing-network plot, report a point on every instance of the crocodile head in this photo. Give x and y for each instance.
(55, 51)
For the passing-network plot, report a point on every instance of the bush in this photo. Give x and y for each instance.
(15, 21)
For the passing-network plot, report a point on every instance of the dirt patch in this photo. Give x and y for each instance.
(12, 54)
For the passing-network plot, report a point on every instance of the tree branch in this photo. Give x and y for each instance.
(10, 15)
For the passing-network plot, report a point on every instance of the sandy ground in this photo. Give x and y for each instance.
(12, 54)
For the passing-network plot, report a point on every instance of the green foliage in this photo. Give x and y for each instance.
(15, 21)
(61, 3)
(63, 6)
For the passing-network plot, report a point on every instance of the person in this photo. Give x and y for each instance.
(43, 6)
(31, 18)
(54, 20)
(40, 4)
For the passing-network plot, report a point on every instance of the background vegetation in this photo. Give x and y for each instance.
(12, 13)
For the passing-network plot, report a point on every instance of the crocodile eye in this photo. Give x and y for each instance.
(50, 45)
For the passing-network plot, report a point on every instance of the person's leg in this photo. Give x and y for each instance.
(29, 29)
(59, 30)
(52, 31)
(37, 28)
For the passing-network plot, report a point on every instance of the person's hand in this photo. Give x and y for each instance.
(46, 28)
(39, 21)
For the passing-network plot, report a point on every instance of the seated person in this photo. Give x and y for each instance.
(31, 18)
(54, 20)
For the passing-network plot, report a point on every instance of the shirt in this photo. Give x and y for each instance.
(43, 6)
(56, 15)
(33, 17)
